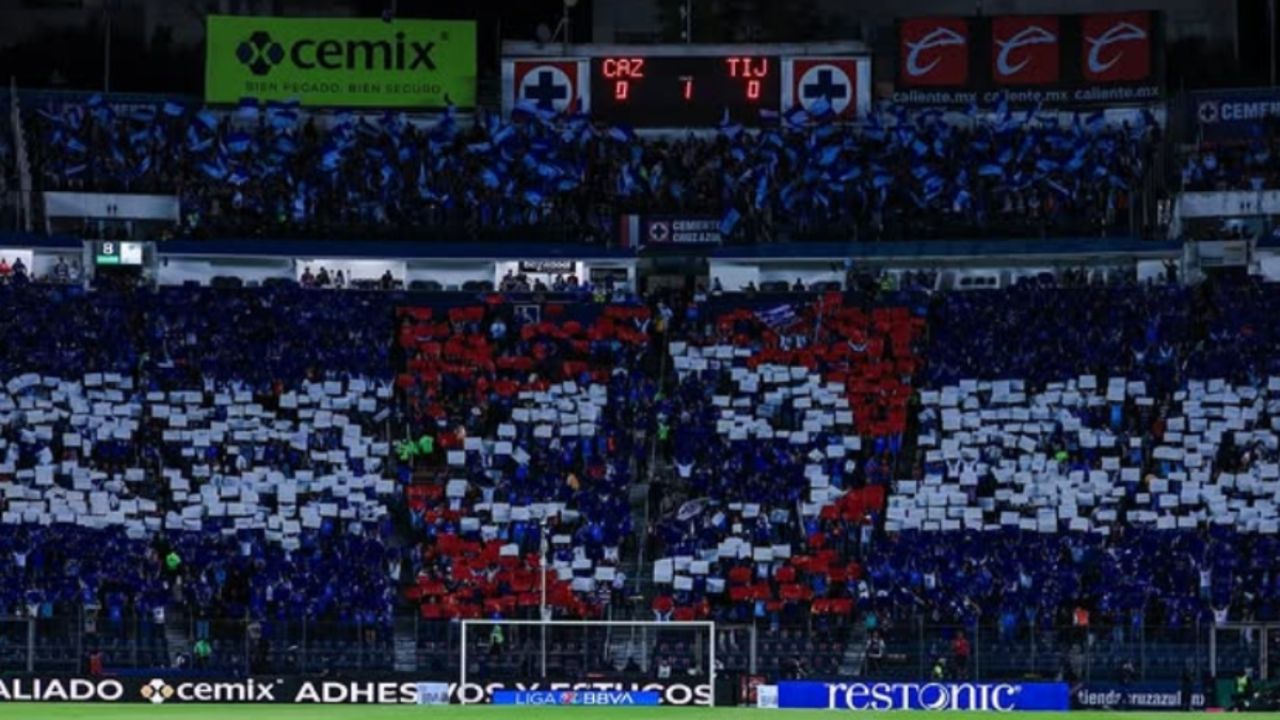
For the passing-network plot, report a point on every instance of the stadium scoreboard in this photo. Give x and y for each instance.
(111, 252)
(683, 91)
(679, 86)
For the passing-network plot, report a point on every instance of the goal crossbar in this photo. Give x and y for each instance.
(708, 625)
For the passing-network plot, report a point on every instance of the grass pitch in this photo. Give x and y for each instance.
(37, 711)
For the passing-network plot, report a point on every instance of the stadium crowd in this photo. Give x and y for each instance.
(906, 174)
(798, 443)
(75, 360)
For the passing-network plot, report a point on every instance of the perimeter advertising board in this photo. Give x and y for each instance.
(341, 62)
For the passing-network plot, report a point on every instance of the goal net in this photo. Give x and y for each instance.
(675, 659)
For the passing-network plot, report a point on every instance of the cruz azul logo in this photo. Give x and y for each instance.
(1024, 50)
(1116, 47)
(260, 53)
(934, 51)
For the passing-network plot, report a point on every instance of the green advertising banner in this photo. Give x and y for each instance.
(341, 62)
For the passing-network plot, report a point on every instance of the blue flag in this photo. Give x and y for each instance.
(216, 171)
(238, 142)
(729, 221)
(207, 119)
(779, 317)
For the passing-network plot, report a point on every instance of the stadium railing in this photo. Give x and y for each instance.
(1093, 652)
(912, 648)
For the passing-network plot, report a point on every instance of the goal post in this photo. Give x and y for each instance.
(582, 654)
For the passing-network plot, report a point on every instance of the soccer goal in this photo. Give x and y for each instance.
(677, 659)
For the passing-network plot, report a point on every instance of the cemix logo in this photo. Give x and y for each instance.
(157, 691)
(260, 53)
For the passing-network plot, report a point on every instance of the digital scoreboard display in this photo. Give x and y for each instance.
(679, 91)
(110, 252)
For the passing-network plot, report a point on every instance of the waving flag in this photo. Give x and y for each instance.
(729, 222)
(778, 318)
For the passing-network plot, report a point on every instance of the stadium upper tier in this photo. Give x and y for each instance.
(921, 454)
(902, 174)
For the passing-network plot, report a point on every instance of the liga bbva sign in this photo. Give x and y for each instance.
(338, 62)
(1096, 59)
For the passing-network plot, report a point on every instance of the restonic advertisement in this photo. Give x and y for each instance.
(988, 697)
(341, 62)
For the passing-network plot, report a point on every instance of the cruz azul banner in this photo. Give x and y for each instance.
(1235, 115)
(341, 62)
(641, 231)
(1061, 60)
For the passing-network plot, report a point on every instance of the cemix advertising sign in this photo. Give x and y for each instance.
(987, 697)
(375, 690)
(174, 691)
(341, 62)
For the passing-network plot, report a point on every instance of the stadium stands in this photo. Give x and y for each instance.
(1246, 166)
(500, 398)
(908, 174)
(770, 415)
(531, 418)
(894, 346)
(221, 454)
(828, 468)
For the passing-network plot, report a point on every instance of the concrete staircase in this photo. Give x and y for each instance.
(405, 646)
(177, 637)
(854, 662)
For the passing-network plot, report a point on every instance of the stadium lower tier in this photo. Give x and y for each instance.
(1033, 479)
